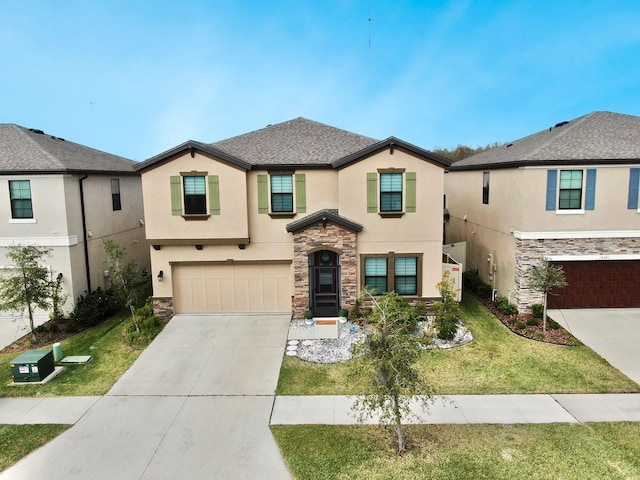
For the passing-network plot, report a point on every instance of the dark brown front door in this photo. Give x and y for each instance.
(324, 275)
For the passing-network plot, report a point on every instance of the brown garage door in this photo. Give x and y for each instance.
(215, 288)
(599, 284)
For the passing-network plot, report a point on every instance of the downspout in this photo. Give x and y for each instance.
(84, 233)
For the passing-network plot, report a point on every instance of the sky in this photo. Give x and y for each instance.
(136, 78)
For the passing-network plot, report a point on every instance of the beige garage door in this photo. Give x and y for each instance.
(213, 288)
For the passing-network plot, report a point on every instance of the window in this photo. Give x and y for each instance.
(391, 192)
(570, 197)
(634, 186)
(195, 195)
(20, 194)
(281, 193)
(571, 192)
(375, 274)
(406, 275)
(115, 194)
(392, 272)
(485, 188)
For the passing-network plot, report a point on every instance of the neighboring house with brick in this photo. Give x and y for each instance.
(295, 216)
(568, 193)
(64, 196)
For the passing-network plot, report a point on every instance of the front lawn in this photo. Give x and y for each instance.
(111, 356)
(16, 441)
(496, 362)
(550, 451)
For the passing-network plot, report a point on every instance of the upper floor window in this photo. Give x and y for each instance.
(485, 188)
(572, 191)
(392, 272)
(115, 194)
(20, 195)
(634, 186)
(282, 193)
(195, 195)
(391, 192)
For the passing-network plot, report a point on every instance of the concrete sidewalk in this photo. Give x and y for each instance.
(336, 410)
(471, 409)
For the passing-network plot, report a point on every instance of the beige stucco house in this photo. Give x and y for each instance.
(568, 193)
(61, 195)
(295, 216)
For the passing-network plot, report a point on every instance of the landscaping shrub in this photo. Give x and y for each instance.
(91, 309)
(447, 311)
(506, 307)
(537, 309)
(533, 322)
(471, 280)
(149, 326)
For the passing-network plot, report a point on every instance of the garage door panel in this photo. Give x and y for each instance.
(232, 288)
(599, 284)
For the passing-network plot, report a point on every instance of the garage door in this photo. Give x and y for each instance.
(212, 288)
(599, 284)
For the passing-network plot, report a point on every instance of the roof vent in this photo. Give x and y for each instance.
(509, 144)
(34, 130)
(560, 124)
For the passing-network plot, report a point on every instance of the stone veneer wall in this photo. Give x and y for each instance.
(163, 307)
(528, 252)
(318, 237)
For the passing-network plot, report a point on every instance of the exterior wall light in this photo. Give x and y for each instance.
(160, 275)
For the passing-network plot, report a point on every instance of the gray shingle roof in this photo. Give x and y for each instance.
(599, 137)
(295, 142)
(24, 150)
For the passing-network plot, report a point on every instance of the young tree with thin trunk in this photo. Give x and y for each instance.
(28, 285)
(545, 277)
(385, 364)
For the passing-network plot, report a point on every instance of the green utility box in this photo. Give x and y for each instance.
(32, 366)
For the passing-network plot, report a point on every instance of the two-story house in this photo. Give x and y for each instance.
(295, 216)
(569, 194)
(67, 197)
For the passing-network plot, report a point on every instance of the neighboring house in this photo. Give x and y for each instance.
(295, 216)
(68, 197)
(570, 194)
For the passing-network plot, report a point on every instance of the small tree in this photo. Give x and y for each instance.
(58, 297)
(127, 284)
(384, 363)
(545, 277)
(29, 285)
(447, 311)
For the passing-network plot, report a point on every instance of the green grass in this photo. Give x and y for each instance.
(550, 451)
(16, 441)
(496, 362)
(110, 358)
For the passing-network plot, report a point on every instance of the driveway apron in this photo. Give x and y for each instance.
(613, 333)
(196, 404)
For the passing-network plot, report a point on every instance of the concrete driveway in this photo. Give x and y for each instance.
(614, 333)
(196, 404)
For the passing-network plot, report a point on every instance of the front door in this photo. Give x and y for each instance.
(324, 275)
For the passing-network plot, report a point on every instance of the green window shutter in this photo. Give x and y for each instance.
(176, 195)
(263, 194)
(372, 192)
(411, 192)
(301, 193)
(214, 195)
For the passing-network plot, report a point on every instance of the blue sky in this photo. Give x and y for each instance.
(135, 78)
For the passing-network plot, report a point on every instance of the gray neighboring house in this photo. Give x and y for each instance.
(58, 194)
(568, 193)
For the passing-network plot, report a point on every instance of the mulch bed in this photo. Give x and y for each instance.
(525, 325)
(46, 335)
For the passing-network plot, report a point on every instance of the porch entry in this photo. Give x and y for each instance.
(324, 283)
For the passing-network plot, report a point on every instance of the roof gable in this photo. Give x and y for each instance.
(325, 215)
(24, 150)
(191, 147)
(599, 137)
(293, 143)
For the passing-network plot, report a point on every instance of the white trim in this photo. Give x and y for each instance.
(22, 220)
(575, 258)
(577, 234)
(40, 241)
(577, 211)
